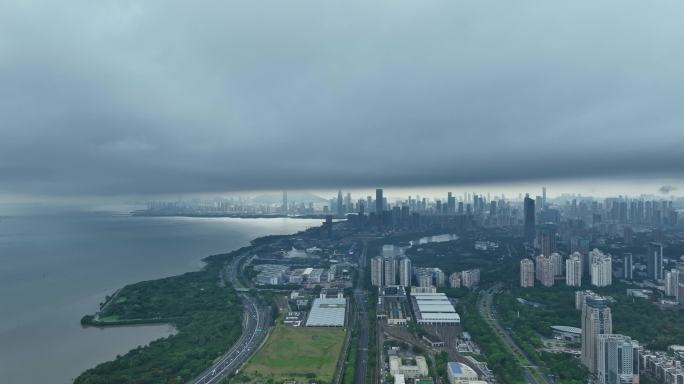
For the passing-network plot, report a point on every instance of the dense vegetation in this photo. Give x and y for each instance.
(458, 255)
(499, 358)
(665, 326)
(206, 314)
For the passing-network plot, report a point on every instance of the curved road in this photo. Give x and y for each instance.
(256, 321)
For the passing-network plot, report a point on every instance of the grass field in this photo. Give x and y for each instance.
(295, 354)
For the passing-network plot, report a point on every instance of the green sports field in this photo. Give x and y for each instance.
(292, 353)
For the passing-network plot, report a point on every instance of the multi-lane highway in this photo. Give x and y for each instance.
(255, 324)
(360, 304)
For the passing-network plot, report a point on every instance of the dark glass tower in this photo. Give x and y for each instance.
(529, 218)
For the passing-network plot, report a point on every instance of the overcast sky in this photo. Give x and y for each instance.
(158, 97)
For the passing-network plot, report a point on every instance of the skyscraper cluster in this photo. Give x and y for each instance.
(391, 271)
(611, 358)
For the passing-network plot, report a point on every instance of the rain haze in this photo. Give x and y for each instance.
(155, 97)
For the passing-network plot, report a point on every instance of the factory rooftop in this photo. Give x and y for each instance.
(327, 312)
(434, 308)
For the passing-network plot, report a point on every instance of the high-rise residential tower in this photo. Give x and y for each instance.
(654, 260)
(405, 272)
(601, 268)
(596, 320)
(617, 359)
(377, 271)
(391, 265)
(573, 270)
(628, 266)
(526, 273)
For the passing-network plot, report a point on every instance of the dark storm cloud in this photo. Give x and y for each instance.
(165, 96)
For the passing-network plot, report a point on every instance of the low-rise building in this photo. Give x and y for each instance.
(410, 371)
(460, 373)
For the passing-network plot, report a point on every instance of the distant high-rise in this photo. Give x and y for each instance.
(654, 260)
(440, 278)
(547, 239)
(557, 262)
(628, 267)
(451, 204)
(617, 359)
(377, 271)
(284, 207)
(340, 204)
(672, 278)
(573, 270)
(391, 267)
(543, 197)
(455, 280)
(405, 272)
(544, 267)
(378, 201)
(596, 320)
(470, 278)
(529, 214)
(601, 268)
(526, 273)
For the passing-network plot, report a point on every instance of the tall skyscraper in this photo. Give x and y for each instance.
(654, 260)
(617, 359)
(377, 271)
(284, 208)
(391, 267)
(628, 266)
(543, 197)
(547, 239)
(378, 201)
(340, 206)
(529, 215)
(451, 204)
(596, 320)
(405, 272)
(526, 273)
(573, 270)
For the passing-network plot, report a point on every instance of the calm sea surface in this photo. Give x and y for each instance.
(56, 268)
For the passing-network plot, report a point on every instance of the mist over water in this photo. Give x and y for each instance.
(56, 268)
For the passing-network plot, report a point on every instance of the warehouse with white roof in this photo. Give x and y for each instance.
(327, 312)
(433, 309)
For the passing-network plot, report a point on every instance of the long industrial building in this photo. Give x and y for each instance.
(434, 309)
(327, 312)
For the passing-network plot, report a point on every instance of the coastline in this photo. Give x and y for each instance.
(228, 215)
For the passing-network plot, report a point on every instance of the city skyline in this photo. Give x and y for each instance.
(147, 98)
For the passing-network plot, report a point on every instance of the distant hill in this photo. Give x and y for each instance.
(300, 197)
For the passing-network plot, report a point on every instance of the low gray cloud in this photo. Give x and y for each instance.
(666, 189)
(152, 96)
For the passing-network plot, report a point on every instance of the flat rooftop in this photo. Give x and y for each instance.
(327, 312)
